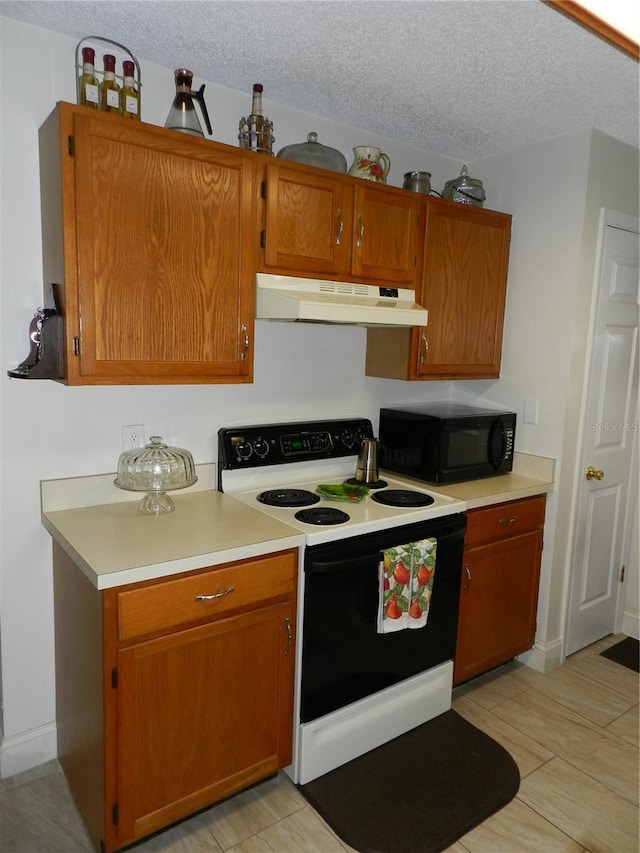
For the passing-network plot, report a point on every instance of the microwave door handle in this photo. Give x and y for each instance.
(496, 449)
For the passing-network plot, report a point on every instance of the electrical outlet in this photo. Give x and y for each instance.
(132, 436)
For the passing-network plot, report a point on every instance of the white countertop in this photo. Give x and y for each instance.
(114, 544)
(100, 528)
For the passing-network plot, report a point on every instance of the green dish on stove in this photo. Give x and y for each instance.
(343, 492)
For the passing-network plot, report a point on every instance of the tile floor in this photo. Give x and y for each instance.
(573, 733)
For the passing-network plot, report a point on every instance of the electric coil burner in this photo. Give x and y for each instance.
(322, 515)
(402, 497)
(288, 497)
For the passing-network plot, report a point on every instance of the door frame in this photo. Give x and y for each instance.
(627, 222)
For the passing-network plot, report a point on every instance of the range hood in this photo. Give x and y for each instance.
(281, 297)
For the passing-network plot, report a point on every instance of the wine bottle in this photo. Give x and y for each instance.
(109, 89)
(130, 94)
(256, 130)
(89, 87)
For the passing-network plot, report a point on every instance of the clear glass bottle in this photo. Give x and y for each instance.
(89, 86)
(130, 95)
(256, 131)
(109, 89)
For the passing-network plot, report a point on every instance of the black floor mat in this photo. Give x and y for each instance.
(418, 793)
(626, 652)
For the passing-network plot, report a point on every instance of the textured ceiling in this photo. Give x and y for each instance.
(463, 78)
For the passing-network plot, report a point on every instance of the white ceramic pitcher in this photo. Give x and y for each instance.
(370, 163)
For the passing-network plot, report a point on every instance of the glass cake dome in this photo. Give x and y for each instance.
(155, 469)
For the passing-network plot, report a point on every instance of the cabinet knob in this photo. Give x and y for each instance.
(593, 474)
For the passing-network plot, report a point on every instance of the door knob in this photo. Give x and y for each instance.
(593, 474)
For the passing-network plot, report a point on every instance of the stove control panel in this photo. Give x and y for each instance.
(272, 444)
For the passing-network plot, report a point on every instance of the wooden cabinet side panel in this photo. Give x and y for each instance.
(203, 713)
(79, 689)
(57, 199)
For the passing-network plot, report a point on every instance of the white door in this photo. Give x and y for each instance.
(610, 431)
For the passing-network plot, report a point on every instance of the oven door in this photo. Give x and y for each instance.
(344, 658)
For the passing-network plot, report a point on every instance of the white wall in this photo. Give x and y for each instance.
(555, 190)
(49, 430)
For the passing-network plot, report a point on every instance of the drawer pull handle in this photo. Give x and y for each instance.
(227, 591)
(509, 520)
(287, 624)
(467, 583)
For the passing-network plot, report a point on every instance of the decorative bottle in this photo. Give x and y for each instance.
(256, 131)
(89, 87)
(130, 95)
(109, 89)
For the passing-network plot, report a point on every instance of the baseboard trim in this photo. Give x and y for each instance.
(631, 624)
(543, 657)
(28, 750)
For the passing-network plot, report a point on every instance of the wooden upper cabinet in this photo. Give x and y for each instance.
(466, 259)
(320, 224)
(385, 227)
(464, 282)
(158, 252)
(307, 221)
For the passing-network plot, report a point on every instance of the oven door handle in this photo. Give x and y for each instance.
(363, 561)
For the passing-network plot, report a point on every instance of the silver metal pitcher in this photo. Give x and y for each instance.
(367, 465)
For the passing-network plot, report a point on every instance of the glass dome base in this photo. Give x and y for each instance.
(156, 503)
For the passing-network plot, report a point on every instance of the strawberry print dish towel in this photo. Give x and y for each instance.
(405, 584)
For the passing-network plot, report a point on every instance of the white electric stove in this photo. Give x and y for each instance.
(355, 687)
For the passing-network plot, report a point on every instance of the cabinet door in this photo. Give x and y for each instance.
(498, 603)
(464, 278)
(307, 221)
(385, 234)
(202, 713)
(164, 269)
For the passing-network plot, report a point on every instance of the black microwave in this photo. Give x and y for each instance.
(447, 442)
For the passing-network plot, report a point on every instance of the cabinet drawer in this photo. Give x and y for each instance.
(165, 605)
(503, 520)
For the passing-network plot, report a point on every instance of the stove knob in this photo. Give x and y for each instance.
(260, 447)
(348, 438)
(323, 441)
(243, 449)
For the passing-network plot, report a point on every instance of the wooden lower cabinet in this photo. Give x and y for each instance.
(177, 717)
(499, 592)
